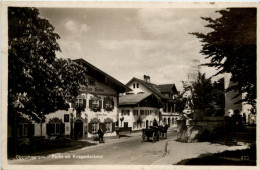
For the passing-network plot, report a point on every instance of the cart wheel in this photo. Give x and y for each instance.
(153, 137)
(158, 136)
(143, 137)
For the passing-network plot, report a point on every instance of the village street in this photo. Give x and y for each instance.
(128, 151)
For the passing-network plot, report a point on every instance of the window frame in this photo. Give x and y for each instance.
(135, 112)
(22, 131)
(91, 82)
(110, 127)
(95, 127)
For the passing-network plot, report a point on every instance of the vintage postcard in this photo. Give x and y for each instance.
(129, 85)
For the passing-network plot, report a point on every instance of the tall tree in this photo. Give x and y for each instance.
(38, 82)
(231, 48)
(202, 99)
(32, 44)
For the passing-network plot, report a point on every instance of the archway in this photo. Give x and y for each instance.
(78, 129)
(169, 121)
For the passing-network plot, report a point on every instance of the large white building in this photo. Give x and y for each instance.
(138, 111)
(97, 105)
(165, 94)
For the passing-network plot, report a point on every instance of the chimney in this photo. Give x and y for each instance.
(147, 79)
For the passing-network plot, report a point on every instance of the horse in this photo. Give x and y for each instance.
(163, 131)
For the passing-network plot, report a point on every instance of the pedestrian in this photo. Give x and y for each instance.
(100, 134)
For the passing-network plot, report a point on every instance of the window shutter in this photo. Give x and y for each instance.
(32, 129)
(73, 105)
(113, 127)
(84, 103)
(103, 126)
(62, 128)
(48, 129)
(90, 127)
(90, 104)
(100, 104)
(104, 104)
(113, 104)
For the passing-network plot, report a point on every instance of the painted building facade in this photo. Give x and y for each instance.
(96, 106)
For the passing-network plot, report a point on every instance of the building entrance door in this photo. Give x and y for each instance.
(78, 129)
(147, 123)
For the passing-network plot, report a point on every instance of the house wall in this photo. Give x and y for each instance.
(230, 107)
(99, 90)
(131, 118)
(141, 88)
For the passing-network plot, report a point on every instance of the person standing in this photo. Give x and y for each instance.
(100, 134)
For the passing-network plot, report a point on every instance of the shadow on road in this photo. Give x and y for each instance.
(44, 150)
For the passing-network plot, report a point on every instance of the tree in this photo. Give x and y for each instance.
(231, 48)
(38, 82)
(201, 96)
(206, 98)
(31, 51)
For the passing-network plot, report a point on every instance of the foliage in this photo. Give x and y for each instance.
(38, 82)
(231, 48)
(206, 98)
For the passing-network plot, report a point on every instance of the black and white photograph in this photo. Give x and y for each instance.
(129, 85)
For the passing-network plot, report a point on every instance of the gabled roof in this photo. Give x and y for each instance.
(133, 99)
(167, 88)
(152, 87)
(103, 77)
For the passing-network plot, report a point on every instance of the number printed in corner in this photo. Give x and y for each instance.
(244, 157)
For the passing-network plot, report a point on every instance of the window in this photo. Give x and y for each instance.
(108, 104)
(135, 112)
(109, 127)
(66, 118)
(142, 112)
(22, 129)
(80, 103)
(146, 112)
(133, 85)
(53, 128)
(91, 82)
(137, 85)
(95, 127)
(95, 104)
(134, 125)
(125, 112)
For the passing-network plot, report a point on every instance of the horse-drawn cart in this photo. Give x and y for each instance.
(155, 133)
(152, 132)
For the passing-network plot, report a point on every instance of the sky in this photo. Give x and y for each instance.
(127, 43)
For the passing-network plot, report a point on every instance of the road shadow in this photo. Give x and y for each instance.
(245, 157)
(46, 150)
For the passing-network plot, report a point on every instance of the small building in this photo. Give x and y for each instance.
(139, 111)
(165, 94)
